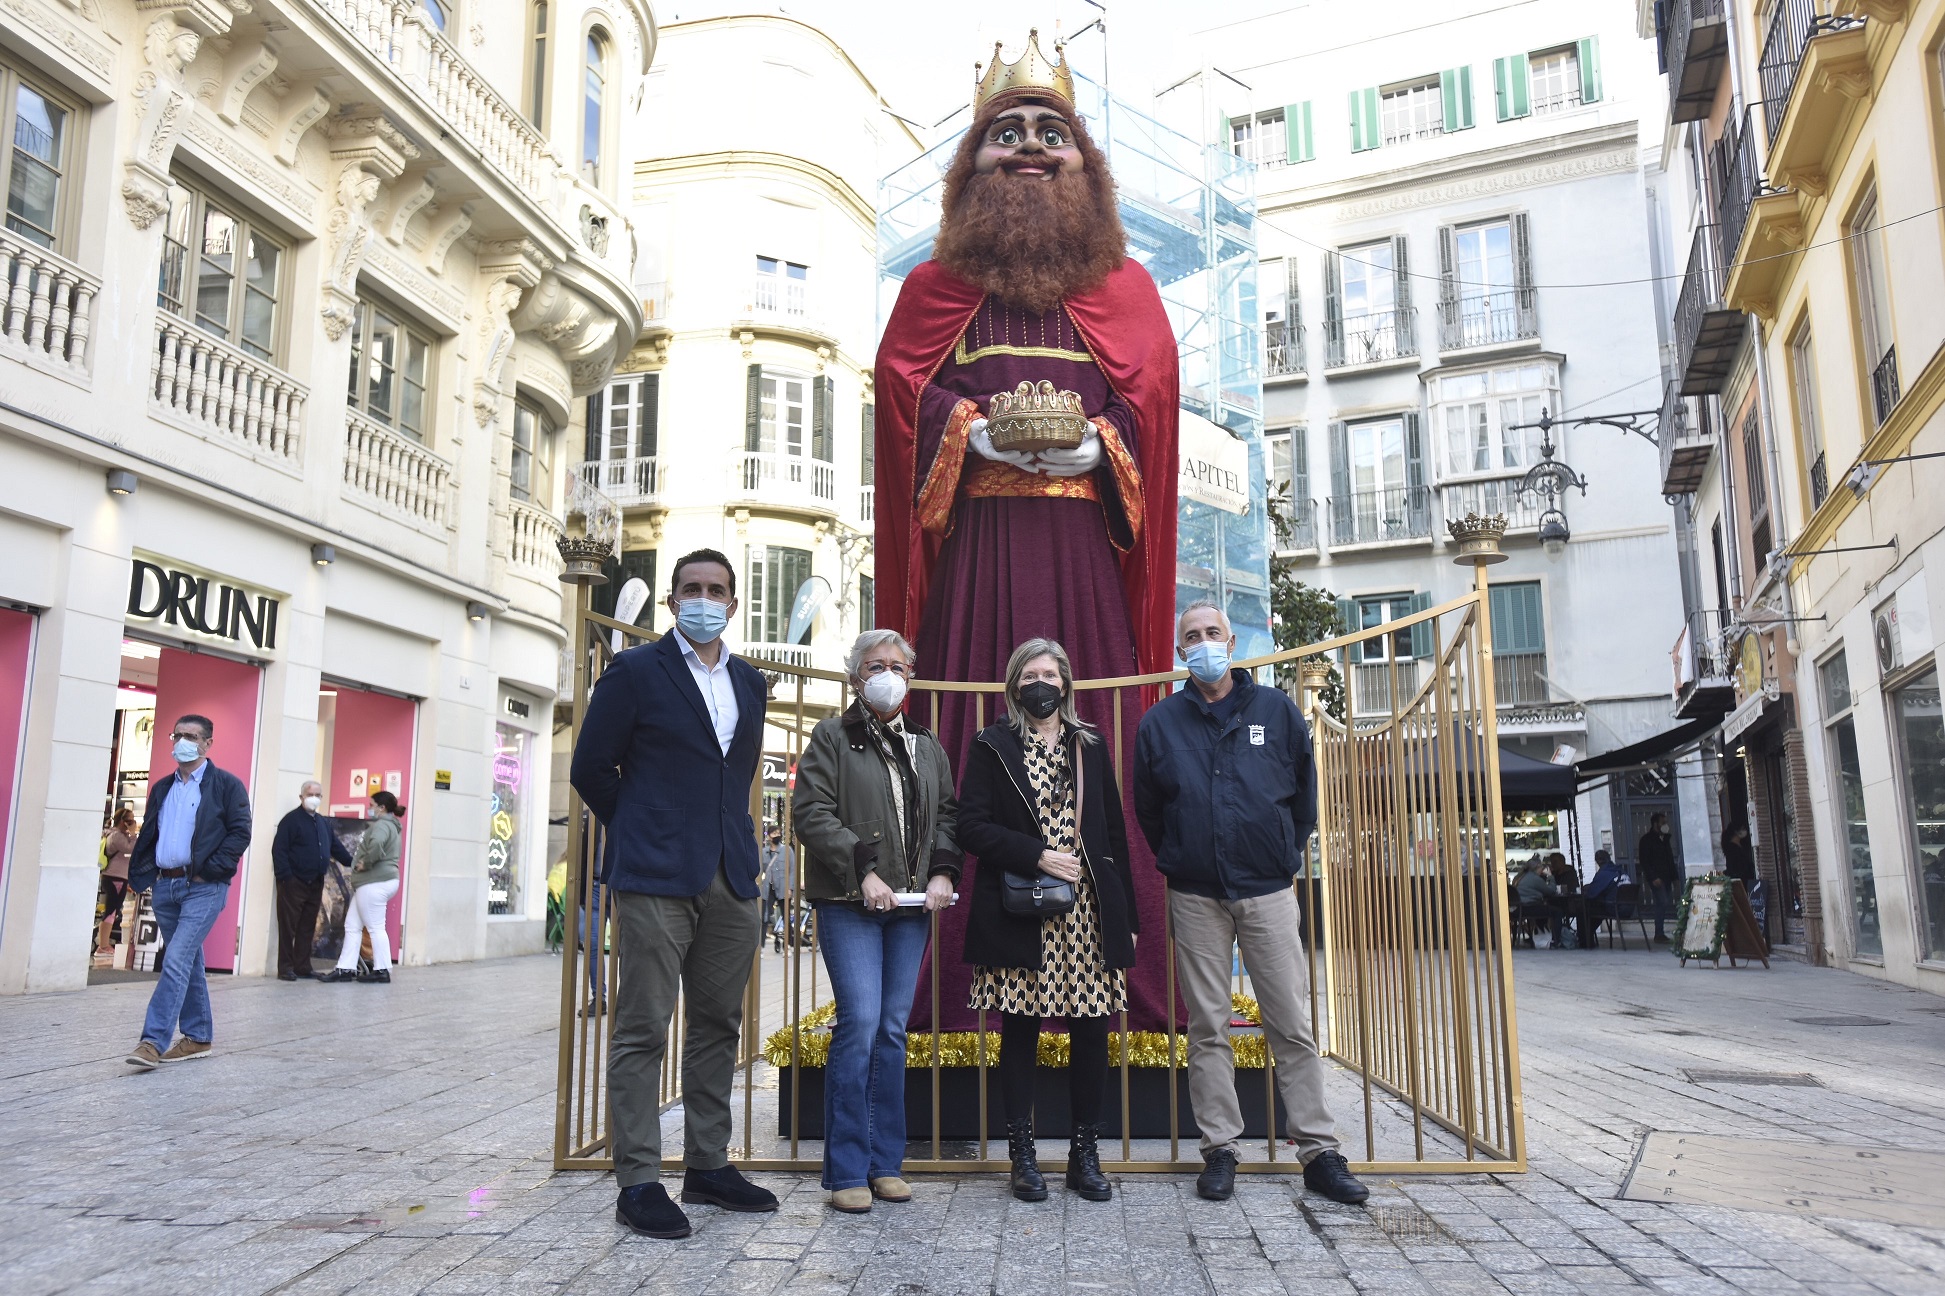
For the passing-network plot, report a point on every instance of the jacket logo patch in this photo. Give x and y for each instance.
(1256, 735)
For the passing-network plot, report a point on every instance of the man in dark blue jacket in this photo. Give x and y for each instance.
(1226, 794)
(196, 829)
(306, 844)
(667, 755)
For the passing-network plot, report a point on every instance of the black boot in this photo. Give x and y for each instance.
(1084, 1175)
(1025, 1181)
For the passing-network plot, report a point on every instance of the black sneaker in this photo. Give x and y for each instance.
(647, 1210)
(1329, 1174)
(1217, 1181)
(728, 1189)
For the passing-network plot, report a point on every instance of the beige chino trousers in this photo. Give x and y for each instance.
(1205, 930)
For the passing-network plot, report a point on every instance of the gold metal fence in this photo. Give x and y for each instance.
(1411, 986)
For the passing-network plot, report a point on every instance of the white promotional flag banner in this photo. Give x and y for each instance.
(1215, 465)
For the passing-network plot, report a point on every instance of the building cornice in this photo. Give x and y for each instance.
(780, 20)
(1600, 150)
(753, 162)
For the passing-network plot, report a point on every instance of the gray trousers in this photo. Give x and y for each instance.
(699, 947)
(1266, 928)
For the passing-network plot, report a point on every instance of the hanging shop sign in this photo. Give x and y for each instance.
(164, 592)
(1215, 465)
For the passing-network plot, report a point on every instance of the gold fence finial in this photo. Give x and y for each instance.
(1479, 539)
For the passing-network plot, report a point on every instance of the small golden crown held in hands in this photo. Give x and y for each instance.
(1032, 418)
(1032, 74)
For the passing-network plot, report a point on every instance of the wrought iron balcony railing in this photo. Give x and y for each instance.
(1371, 517)
(1371, 338)
(1283, 343)
(1884, 385)
(1487, 318)
(1792, 25)
(1697, 45)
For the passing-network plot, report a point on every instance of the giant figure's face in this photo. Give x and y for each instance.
(1029, 212)
(1029, 142)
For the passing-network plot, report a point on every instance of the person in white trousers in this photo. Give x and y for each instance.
(374, 881)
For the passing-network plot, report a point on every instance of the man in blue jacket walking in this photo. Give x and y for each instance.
(1226, 794)
(196, 829)
(667, 754)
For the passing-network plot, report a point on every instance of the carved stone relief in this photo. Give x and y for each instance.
(369, 151)
(162, 102)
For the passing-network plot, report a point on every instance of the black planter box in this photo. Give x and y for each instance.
(959, 1103)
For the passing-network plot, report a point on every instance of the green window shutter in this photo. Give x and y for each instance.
(1518, 627)
(1365, 134)
(821, 438)
(1350, 620)
(1424, 635)
(1342, 507)
(1512, 87)
(592, 443)
(753, 411)
(869, 457)
(1297, 143)
(1590, 70)
(1455, 88)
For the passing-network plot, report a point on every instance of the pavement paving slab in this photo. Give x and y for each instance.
(396, 1139)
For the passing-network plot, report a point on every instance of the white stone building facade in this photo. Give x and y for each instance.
(1453, 226)
(218, 211)
(742, 420)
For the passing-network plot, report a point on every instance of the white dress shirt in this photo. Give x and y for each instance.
(718, 692)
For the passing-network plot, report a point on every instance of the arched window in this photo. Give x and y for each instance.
(594, 104)
(440, 11)
(537, 65)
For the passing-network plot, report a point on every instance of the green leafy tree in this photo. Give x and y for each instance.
(1300, 614)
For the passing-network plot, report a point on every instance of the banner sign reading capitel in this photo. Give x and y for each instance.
(1215, 465)
(165, 592)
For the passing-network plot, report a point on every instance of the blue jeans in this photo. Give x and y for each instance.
(185, 910)
(593, 941)
(873, 960)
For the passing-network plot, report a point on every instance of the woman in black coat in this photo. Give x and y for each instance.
(1027, 779)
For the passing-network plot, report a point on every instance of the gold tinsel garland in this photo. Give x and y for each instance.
(961, 1048)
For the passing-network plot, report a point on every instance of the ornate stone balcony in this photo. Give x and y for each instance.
(46, 304)
(221, 390)
(532, 546)
(396, 474)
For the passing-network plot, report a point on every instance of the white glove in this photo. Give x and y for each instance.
(982, 444)
(1081, 460)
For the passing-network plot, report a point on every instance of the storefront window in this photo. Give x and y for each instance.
(1867, 936)
(1921, 729)
(506, 843)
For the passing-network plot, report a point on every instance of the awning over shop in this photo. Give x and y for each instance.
(1524, 783)
(1648, 750)
(1528, 784)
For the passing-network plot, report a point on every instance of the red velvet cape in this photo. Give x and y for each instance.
(1128, 333)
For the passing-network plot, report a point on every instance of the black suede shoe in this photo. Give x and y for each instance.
(1026, 1181)
(647, 1210)
(1217, 1181)
(1330, 1175)
(1084, 1177)
(728, 1189)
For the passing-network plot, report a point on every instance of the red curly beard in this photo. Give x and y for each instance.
(1029, 242)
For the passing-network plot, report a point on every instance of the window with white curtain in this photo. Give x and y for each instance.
(1484, 419)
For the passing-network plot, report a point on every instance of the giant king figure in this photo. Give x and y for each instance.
(979, 547)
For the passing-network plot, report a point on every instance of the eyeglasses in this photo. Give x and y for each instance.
(879, 668)
(179, 736)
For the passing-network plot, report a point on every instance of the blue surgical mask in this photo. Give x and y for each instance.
(1208, 662)
(186, 750)
(702, 620)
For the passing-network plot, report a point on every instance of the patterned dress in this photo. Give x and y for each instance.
(1073, 979)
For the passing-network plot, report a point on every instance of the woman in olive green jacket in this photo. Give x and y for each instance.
(875, 813)
(374, 881)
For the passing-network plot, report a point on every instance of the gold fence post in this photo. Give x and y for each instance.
(1479, 541)
(582, 557)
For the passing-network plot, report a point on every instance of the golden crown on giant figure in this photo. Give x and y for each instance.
(1032, 73)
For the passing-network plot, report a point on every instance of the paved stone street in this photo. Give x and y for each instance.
(395, 1139)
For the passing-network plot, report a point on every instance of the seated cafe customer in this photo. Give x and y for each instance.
(1537, 889)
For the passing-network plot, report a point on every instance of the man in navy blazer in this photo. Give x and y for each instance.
(667, 754)
(196, 830)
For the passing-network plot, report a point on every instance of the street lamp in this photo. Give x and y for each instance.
(1554, 532)
(1550, 480)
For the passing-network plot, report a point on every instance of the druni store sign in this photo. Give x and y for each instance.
(162, 592)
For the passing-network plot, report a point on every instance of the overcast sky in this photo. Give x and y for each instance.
(920, 53)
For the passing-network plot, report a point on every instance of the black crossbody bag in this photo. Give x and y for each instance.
(1043, 895)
